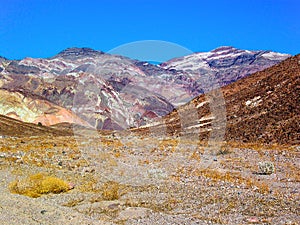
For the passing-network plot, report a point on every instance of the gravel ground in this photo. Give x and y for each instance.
(144, 180)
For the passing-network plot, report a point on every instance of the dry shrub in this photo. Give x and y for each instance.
(216, 175)
(266, 168)
(224, 150)
(196, 156)
(110, 190)
(36, 185)
(168, 144)
(89, 184)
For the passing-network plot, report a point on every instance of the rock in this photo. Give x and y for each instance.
(157, 173)
(133, 213)
(99, 207)
(71, 186)
(252, 220)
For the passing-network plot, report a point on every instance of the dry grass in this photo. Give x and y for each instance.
(196, 156)
(114, 143)
(38, 184)
(233, 177)
(216, 175)
(110, 191)
(224, 150)
(291, 171)
(258, 146)
(168, 145)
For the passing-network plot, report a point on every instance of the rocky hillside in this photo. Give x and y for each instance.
(115, 92)
(263, 107)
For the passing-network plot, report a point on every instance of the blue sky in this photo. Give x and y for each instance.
(42, 28)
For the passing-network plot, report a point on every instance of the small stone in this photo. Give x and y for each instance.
(157, 173)
(133, 213)
(113, 206)
(43, 211)
(71, 186)
(252, 220)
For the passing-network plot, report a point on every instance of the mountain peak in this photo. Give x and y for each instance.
(224, 48)
(74, 52)
(2, 58)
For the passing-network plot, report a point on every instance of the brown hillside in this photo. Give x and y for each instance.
(16, 128)
(263, 107)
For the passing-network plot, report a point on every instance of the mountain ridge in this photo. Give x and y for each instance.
(118, 92)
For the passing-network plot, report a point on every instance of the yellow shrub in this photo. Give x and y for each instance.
(111, 191)
(38, 184)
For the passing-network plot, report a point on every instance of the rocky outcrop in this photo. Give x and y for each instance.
(260, 108)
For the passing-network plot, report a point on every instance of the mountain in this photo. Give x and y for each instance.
(227, 64)
(262, 107)
(72, 79)
(115, 92)
(27, 107)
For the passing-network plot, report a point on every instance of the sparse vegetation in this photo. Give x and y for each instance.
(236, 176)
(36, 185)
(110, 190)
(224, 150)
(266, 168)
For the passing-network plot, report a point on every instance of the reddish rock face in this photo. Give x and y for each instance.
(115, 92)
(262, 107)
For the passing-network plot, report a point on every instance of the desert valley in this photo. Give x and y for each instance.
(88, 137)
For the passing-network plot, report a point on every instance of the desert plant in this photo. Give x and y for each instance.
(224, 150)
(38, 184)
(266, 168)
(110, 190)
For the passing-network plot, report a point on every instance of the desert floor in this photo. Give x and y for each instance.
(129, 178)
